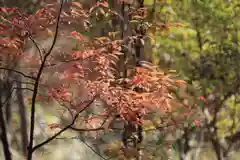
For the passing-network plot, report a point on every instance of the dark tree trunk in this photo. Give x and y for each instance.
(23, 115)
(3, 135)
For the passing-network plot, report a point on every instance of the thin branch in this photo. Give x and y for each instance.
(86, 130)
(30, 147)
(63, 105)
(10, 95)
(23, 82)
(37, 46)
(103, 126)
(66, 61)
(12, 70)
(93, 150)
(64, 129)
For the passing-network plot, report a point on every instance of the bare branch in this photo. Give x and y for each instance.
(94, 150)
(86, 130)
(64, 129)
(30, 147)
(37, 46)
(12, 70)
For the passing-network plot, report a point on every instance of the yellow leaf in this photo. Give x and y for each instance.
(49, 32)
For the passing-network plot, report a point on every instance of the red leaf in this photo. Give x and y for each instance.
(77, 35)
(38, 98)
(202, 98)
(103, 4)
(4, 10)
(197, 123)
(77, 4)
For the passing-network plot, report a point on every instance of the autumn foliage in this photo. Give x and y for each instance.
(94, 66)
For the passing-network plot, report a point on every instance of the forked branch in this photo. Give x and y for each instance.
(64, 129)
(37, 81)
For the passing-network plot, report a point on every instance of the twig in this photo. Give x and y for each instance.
(9, 96)
(64, 129)
(69, 110)
(22, 82)
(36, 45)
(66, 61)
(86, 130)
(102, 127)
(30, 147)
(94, 150)
(12, 70)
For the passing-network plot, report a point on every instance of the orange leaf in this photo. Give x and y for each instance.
(180, 25)
(182, 82)
(54, 126)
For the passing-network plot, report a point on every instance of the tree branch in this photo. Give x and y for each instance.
(94, 151)
(30, 146)
(12, 70)
(36, 45)
(64, 129)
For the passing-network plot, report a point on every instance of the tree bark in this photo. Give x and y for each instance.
(3, 135)
(23, 116)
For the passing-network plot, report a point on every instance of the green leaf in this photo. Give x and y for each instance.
(85, 33)
(175, 146)
(160, 140)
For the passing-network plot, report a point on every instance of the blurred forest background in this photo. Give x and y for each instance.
(197, 41)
